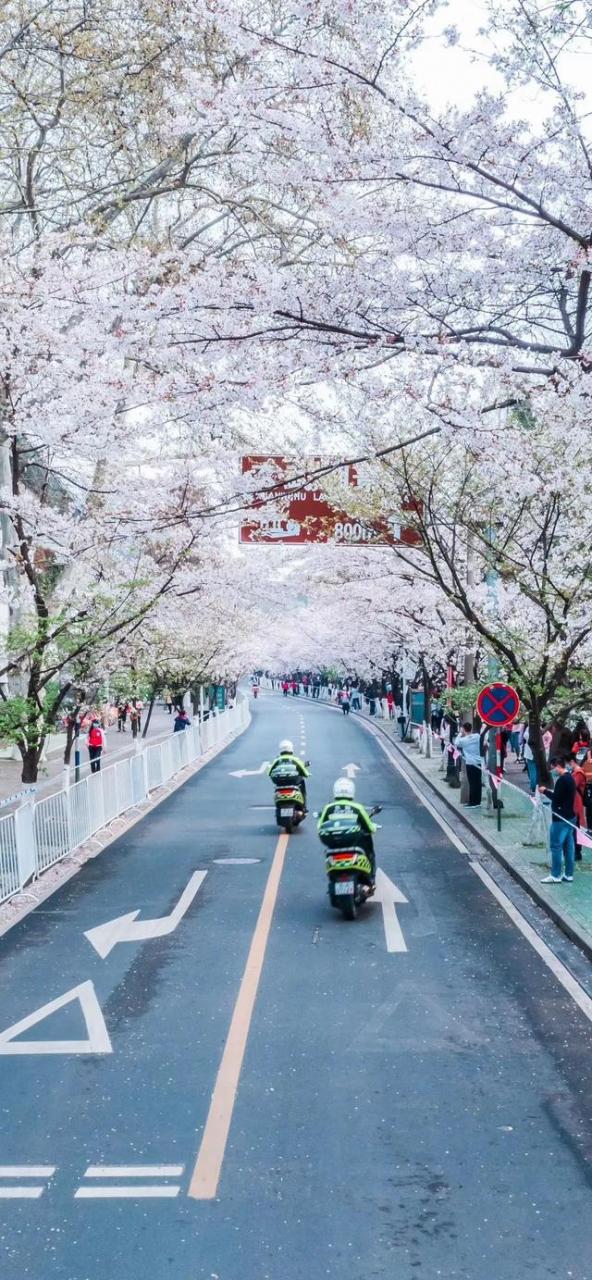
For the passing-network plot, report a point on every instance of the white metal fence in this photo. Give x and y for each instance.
(39, 834)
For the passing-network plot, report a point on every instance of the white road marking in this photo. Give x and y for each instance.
(387, 894)
(236, 862)
(250, 773)
(27, 1170)
(350, 770)
(558, 969)
(126, 1193)
(563, 975)
(134, 1171)
(104, 937)
(21, 1193)
(98, 1036)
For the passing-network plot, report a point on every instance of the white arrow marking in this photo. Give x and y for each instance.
(250, 773)
(350, 770)
(127, 929)
(387, 894)
(98, 1036)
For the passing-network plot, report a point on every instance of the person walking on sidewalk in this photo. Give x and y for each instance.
(587, 771)
(530, 762)
(579, 778)
(563, 819)
(469, 745)
(95, 743)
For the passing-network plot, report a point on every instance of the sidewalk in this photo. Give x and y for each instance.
(51, 771)
(570, 905)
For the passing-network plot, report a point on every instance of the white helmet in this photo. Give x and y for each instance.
(286, 745)
(344, 789)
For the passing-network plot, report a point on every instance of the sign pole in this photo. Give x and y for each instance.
(499, 773)
(498, 705)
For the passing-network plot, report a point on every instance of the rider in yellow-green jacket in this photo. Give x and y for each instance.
(287, 757)
(344, 802)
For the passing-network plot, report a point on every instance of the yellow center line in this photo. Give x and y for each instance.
(210, 1157)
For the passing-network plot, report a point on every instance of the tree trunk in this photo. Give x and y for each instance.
(71, 733)
(535, 742)
(31, 757)
(150, 708)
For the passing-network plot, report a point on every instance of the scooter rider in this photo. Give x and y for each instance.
(344, 802)
(287, 756)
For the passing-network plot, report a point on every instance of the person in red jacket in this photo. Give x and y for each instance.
(579, 778)
(95, 743)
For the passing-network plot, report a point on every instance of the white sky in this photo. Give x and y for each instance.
(454, 74)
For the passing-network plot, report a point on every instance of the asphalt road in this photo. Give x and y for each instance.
(395, 1115)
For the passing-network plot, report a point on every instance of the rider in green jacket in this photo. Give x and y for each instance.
(287, 756)
(344, 802)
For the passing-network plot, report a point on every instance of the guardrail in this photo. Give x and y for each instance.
(42, 832)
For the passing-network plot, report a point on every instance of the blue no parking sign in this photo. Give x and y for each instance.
(498, 705)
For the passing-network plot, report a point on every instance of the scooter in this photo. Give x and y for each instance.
(290, 805)
(347, 864)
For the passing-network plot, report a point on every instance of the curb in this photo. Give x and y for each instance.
(573, 932)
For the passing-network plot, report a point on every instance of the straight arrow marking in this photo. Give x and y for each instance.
(104, 937)
(350, 770)
(387, 894)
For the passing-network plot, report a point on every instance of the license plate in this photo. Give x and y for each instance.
(344, 886)
(286, 813)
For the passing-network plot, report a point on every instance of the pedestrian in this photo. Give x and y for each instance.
(469, 745)
(516, 738)
(121, 715)
(345, 702)
(579, 778)
(134, 719)
(139, 706)
(390, 702)
(182, 720)
(530, 762)
(563, 819)
(95, 743)
(587, 771)
(168, 701)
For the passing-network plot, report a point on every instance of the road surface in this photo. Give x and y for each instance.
(232, 1083)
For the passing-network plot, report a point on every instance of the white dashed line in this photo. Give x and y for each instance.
(134, 1170)
(126, 1193)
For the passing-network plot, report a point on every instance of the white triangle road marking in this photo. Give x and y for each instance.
(98, 1037)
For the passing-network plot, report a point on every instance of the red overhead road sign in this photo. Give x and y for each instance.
(498, 705)
(296, 511)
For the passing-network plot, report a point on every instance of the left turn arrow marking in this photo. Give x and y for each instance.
(250, 773)
(104, 937)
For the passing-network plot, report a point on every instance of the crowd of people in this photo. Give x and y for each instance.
(378, 697)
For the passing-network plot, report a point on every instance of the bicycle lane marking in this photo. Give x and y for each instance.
(210, 1157)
